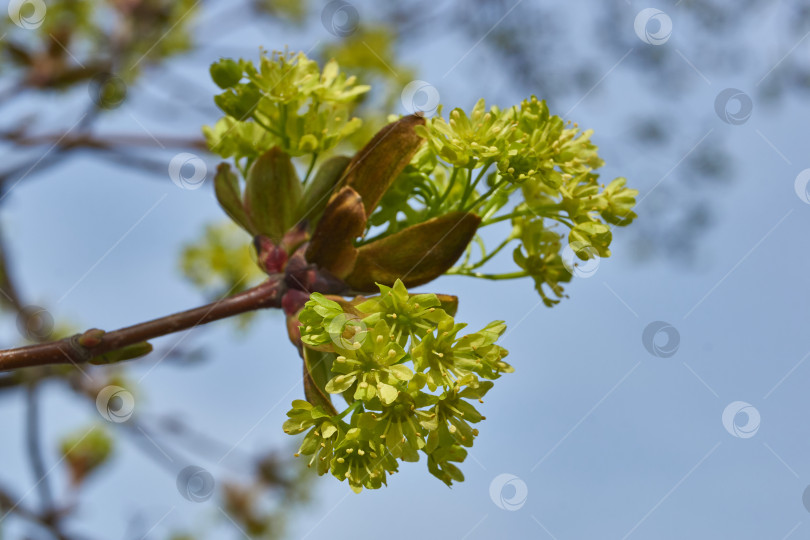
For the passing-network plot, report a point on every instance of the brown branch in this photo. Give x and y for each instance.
(103, 141)
(11, 504)
(8, 290)
(69, 350)
(34, 448)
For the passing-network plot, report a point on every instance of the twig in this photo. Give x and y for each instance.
(8, 290)
(112, 140)
(69, 350)
(34, 448)
(10, 504)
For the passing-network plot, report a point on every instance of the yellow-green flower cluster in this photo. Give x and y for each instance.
(285, 101)
(520, 164)
(539, 256)
(471, 141)
(408, 379)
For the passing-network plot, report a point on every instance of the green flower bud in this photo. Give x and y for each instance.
(262, 106)
(539, 255)
(371, 370)
(129, 352)
(226, 73)
(440, 463)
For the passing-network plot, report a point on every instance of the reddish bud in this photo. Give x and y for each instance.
(293, 301)
(271, 258)
(91, 338)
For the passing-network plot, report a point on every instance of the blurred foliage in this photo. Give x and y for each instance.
(369, 53)
(85, 451)
(261, 508)
(76, 40)
(293, 11)
(222, 262)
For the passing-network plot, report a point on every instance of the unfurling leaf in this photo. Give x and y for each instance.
(229, 195)
(332, 244)
(273, 194)
(375, 167)
(417, 255)
(317, 192)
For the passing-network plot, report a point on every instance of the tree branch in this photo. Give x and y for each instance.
(69, 350)
(34, 447)
(11, 504)
(8, 290)
(105, 141)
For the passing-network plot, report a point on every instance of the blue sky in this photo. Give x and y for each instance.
(609, 440)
